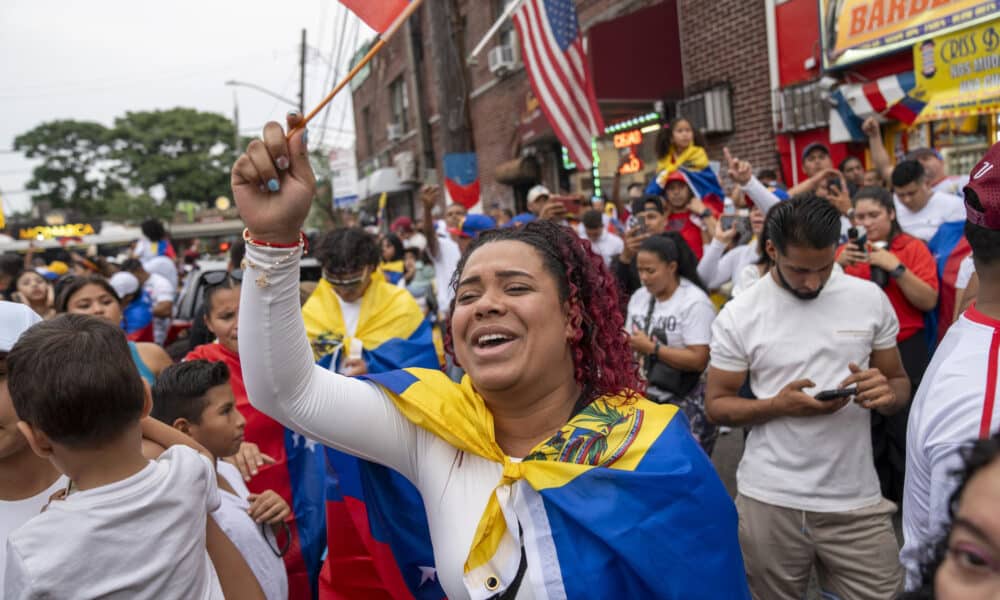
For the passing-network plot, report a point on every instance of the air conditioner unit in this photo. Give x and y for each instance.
(709, 111)
(803, 107)
(394, 131)
(501, 60)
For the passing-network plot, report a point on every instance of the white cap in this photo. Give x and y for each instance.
(124, 283)
(15, 319)
(536, 192)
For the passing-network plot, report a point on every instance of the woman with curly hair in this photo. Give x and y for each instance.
(544, 473)
(965, 563)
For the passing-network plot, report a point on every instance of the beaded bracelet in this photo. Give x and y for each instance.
(303, 242)
(262, 280)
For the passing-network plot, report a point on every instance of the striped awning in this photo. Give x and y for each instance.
(888, 97)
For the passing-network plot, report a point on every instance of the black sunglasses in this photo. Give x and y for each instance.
(283, 549)
(344, 283)
(219, 277)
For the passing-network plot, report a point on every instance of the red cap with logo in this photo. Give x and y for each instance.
(982, 194)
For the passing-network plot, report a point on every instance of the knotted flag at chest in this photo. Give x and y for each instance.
(620, 503)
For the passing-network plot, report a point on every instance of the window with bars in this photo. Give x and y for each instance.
(801, 107)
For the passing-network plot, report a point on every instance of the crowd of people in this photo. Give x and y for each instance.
(520, 406)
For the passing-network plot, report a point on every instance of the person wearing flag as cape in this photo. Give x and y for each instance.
(544, 473)
(360, 323)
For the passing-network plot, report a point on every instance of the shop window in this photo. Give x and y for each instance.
(802, 107)
(399, 104)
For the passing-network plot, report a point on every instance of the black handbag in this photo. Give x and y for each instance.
(661, 375)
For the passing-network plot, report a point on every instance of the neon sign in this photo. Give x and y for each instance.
(627, 139)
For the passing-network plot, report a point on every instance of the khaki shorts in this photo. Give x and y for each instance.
(855, 553)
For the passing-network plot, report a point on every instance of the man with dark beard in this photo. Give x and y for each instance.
(808, 491)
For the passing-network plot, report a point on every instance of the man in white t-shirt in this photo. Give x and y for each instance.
(161, 292)
(919, 209)
(27, 480)
(127, 527)
(442, 251)
(956, 402)
(607, 244)
(195, 398)
(808, 492)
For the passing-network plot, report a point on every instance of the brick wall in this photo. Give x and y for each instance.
(726, 40)
(722, 40)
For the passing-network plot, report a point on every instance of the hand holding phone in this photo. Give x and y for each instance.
(828, 395)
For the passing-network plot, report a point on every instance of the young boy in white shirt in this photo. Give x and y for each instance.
(195, 398)
(27, 481)
(127, 527)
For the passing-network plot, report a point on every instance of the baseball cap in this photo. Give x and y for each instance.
(982, 194)
(918, 153)
(537, 192)
(124, 283)
(473, 225)
(815, 146)
(401, 224)
(15, 319)
(521, 219)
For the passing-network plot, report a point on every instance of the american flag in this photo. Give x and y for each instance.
(553, 54)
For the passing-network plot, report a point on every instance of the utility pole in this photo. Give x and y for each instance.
(302, 75)
(452, 88)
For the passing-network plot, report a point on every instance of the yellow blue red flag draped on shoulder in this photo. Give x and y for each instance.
(620, 503)
(391, 327)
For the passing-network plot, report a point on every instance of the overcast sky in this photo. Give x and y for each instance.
(95, 60)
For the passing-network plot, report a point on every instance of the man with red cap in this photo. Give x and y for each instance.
(403, 227)
(956, 402)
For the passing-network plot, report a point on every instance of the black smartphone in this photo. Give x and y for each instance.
(828, 395)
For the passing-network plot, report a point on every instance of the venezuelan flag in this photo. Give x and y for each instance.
(949, 247)
(391, 328)
(620, 503)
(392, 271)
(296, 475)
(703, 182)
(376, 525)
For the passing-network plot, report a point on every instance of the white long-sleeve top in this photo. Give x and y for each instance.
(718, 267)
(358, 417)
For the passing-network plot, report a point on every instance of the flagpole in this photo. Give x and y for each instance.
(384, 37)
(496, 26)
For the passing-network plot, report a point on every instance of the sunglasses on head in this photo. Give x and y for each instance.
(220, 277)
(344, 283)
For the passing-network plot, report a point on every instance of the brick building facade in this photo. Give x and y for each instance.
(721, 42)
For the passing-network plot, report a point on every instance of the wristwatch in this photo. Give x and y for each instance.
(898, 271)
(706, 213)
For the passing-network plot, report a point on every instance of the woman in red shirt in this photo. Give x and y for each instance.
(909, 279)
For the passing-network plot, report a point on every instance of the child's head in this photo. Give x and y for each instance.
(75, 386)
(15, 319)
(195, 398)
(681, 134)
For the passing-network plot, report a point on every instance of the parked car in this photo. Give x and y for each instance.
(192, 294)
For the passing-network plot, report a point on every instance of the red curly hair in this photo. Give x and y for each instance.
(602, 359)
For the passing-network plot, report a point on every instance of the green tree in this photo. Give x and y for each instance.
(187, 152)
(75, 172)
(124, 207)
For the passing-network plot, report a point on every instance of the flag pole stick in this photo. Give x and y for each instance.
(496, 26)
(382, 39)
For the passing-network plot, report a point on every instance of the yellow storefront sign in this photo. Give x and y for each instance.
(959, 74)
(855, 30)
(48, 232)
